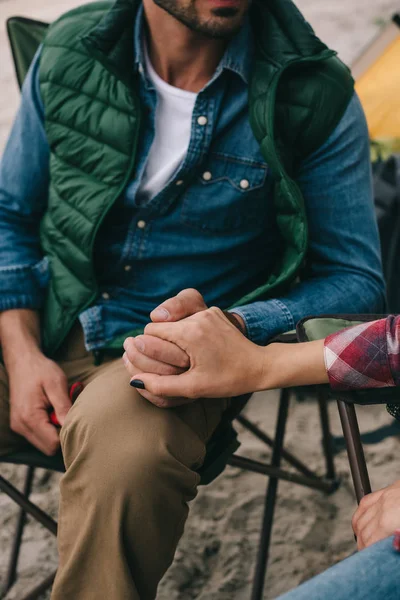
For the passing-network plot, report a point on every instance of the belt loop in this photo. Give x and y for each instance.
(98, 357)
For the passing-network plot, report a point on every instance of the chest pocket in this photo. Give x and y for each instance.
(227, 195)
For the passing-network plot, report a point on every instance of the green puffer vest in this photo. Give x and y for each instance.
(298, 92)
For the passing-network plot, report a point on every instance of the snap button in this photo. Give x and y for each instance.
(141, 224)
(244, 184)
(207, 176)
(202, 120)
(127, 268)
(179, 182)
(105, 296)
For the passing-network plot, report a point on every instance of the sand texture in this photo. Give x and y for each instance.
(216, 556)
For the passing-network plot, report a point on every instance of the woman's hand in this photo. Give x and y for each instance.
(223, 363)
(378, 516)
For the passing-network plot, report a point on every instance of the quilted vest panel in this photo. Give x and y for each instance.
(92, 121)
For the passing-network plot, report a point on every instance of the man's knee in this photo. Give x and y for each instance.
(122, 442)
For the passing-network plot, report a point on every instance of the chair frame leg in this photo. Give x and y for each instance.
(27, 507)
(19, 531)
(326, 433)
(355, 451)
(42, 587)
(266, 439)
(270, 499)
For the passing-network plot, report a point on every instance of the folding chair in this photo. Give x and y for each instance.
(25, 36)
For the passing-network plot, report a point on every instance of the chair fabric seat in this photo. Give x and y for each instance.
(34, 458)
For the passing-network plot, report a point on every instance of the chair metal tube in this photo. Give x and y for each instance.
(13, 564)
(286, 455)
(355, 452)
(326, 433)
(270, 500)
(269, 470)
(28, 506)
(42, 587)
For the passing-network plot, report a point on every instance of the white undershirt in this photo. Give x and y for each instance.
(173, 122)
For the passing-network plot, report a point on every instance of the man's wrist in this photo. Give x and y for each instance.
(236, 320)
(19, 336)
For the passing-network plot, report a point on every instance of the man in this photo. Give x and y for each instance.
(133, 151)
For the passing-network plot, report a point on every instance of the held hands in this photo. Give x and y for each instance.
(149, 354)
(221, 361)
(377, 516)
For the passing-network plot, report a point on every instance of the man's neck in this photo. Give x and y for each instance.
(181, 57)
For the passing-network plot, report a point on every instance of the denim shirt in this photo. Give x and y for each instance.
(218, 234)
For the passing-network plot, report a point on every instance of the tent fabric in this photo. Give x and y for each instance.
(377, 74)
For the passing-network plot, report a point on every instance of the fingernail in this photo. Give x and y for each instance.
(126, 342)
(137, 383)
(139, 344)
(160, 314)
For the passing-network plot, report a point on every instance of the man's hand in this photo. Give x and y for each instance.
(148, 354)
(37, 384)
(36, 387)
(378, 516)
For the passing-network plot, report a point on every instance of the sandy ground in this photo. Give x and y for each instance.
(216, 556)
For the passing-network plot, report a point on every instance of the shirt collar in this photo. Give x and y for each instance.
(138, 39)
(238, 56)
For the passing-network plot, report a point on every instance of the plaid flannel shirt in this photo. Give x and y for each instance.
(364, 356)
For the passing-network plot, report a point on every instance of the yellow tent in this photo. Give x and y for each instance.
(377, 75)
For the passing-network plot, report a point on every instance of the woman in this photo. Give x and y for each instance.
(222, 362)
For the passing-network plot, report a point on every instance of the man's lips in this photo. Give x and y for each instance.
(227, 3)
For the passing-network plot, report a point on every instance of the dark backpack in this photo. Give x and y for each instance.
(386, 178)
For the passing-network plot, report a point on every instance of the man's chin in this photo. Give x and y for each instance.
(220, 27)
(223, 23)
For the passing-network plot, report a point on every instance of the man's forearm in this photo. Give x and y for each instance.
(19, 335)
(24, 183)
(336, 293)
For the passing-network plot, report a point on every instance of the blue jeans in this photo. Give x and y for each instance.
(372, 574)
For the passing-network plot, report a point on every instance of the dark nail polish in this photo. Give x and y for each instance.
(138, 383)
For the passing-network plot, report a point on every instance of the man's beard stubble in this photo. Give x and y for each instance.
(188, 16)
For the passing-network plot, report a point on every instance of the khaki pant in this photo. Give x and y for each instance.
(131, 470)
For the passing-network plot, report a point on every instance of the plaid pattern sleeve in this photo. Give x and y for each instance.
(364, 356)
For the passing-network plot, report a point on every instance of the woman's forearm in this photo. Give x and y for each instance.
(287, 365)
